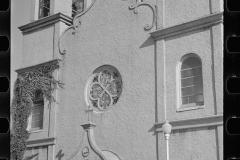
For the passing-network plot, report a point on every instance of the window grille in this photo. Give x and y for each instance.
(44, 8)
(191, 81)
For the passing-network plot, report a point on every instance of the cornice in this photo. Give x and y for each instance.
(41, 142)
(200, 23)
(30, 68)
(46, 21)
(209, 121)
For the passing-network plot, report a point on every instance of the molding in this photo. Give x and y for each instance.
(209, 121)
(41, 142)
(46, 21)
(153, 8)
(188, 107)
(30, 68)
(197, 24)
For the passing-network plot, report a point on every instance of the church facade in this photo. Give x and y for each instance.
(128, 66)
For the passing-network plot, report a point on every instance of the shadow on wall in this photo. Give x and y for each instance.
(148, 42)
(60, 155)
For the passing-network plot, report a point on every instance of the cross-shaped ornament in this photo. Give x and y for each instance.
(88, 111)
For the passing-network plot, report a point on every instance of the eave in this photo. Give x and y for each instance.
(182, 28)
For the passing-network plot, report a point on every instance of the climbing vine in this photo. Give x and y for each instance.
(25, 86)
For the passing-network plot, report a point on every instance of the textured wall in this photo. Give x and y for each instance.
(115, 37)
(181, 11)
(111, 34)
(192, 144)
(37, 47)
(197, 42)
(64, 6)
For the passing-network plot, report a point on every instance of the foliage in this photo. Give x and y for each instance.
(23, 93)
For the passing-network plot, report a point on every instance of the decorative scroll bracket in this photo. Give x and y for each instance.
(76, 22)
(152, 7)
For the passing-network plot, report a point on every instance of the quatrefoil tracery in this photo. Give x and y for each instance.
(105, 89)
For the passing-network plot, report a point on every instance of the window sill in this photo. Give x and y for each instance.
(41, 142)
(35, 130)
(191, 106)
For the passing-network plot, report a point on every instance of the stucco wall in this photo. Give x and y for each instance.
(115, 37)
(181, 11)
(172, 12)
(192, 144)
(64, 6)
(197, 42)
(203, 143)
(206, 44)
(111, 34)
(37, 47)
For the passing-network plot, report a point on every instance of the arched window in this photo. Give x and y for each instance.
(36, 118)
(191, 82)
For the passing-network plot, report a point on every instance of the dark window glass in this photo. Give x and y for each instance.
(37, 112)
(191, 81)
(44, 8)
(77, 7)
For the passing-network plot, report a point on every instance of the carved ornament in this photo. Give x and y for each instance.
(151, 6)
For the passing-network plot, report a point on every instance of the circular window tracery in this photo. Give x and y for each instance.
(104, 88)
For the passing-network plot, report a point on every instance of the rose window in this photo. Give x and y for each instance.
(104, 88)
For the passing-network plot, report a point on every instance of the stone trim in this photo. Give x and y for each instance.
(209, 121)
(30, 68)
(41, 142)
(46, 21)
(200, 23)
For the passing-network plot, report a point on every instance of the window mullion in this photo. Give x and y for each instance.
(192, 83)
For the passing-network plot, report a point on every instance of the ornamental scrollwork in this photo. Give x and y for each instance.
(76, 22)
(151, 6)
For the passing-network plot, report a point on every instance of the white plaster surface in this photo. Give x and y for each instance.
(181, 11)
(37, 47)
(199, 43)
(111, 34)
(64, 6)
(191, 145)
(114, 38)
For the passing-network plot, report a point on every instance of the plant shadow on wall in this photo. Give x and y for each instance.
(25, 86)
(59, 155)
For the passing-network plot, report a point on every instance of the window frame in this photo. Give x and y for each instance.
(189, 106)
(42, 6)
(86, 5)
(37, 129)
(75, 12)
